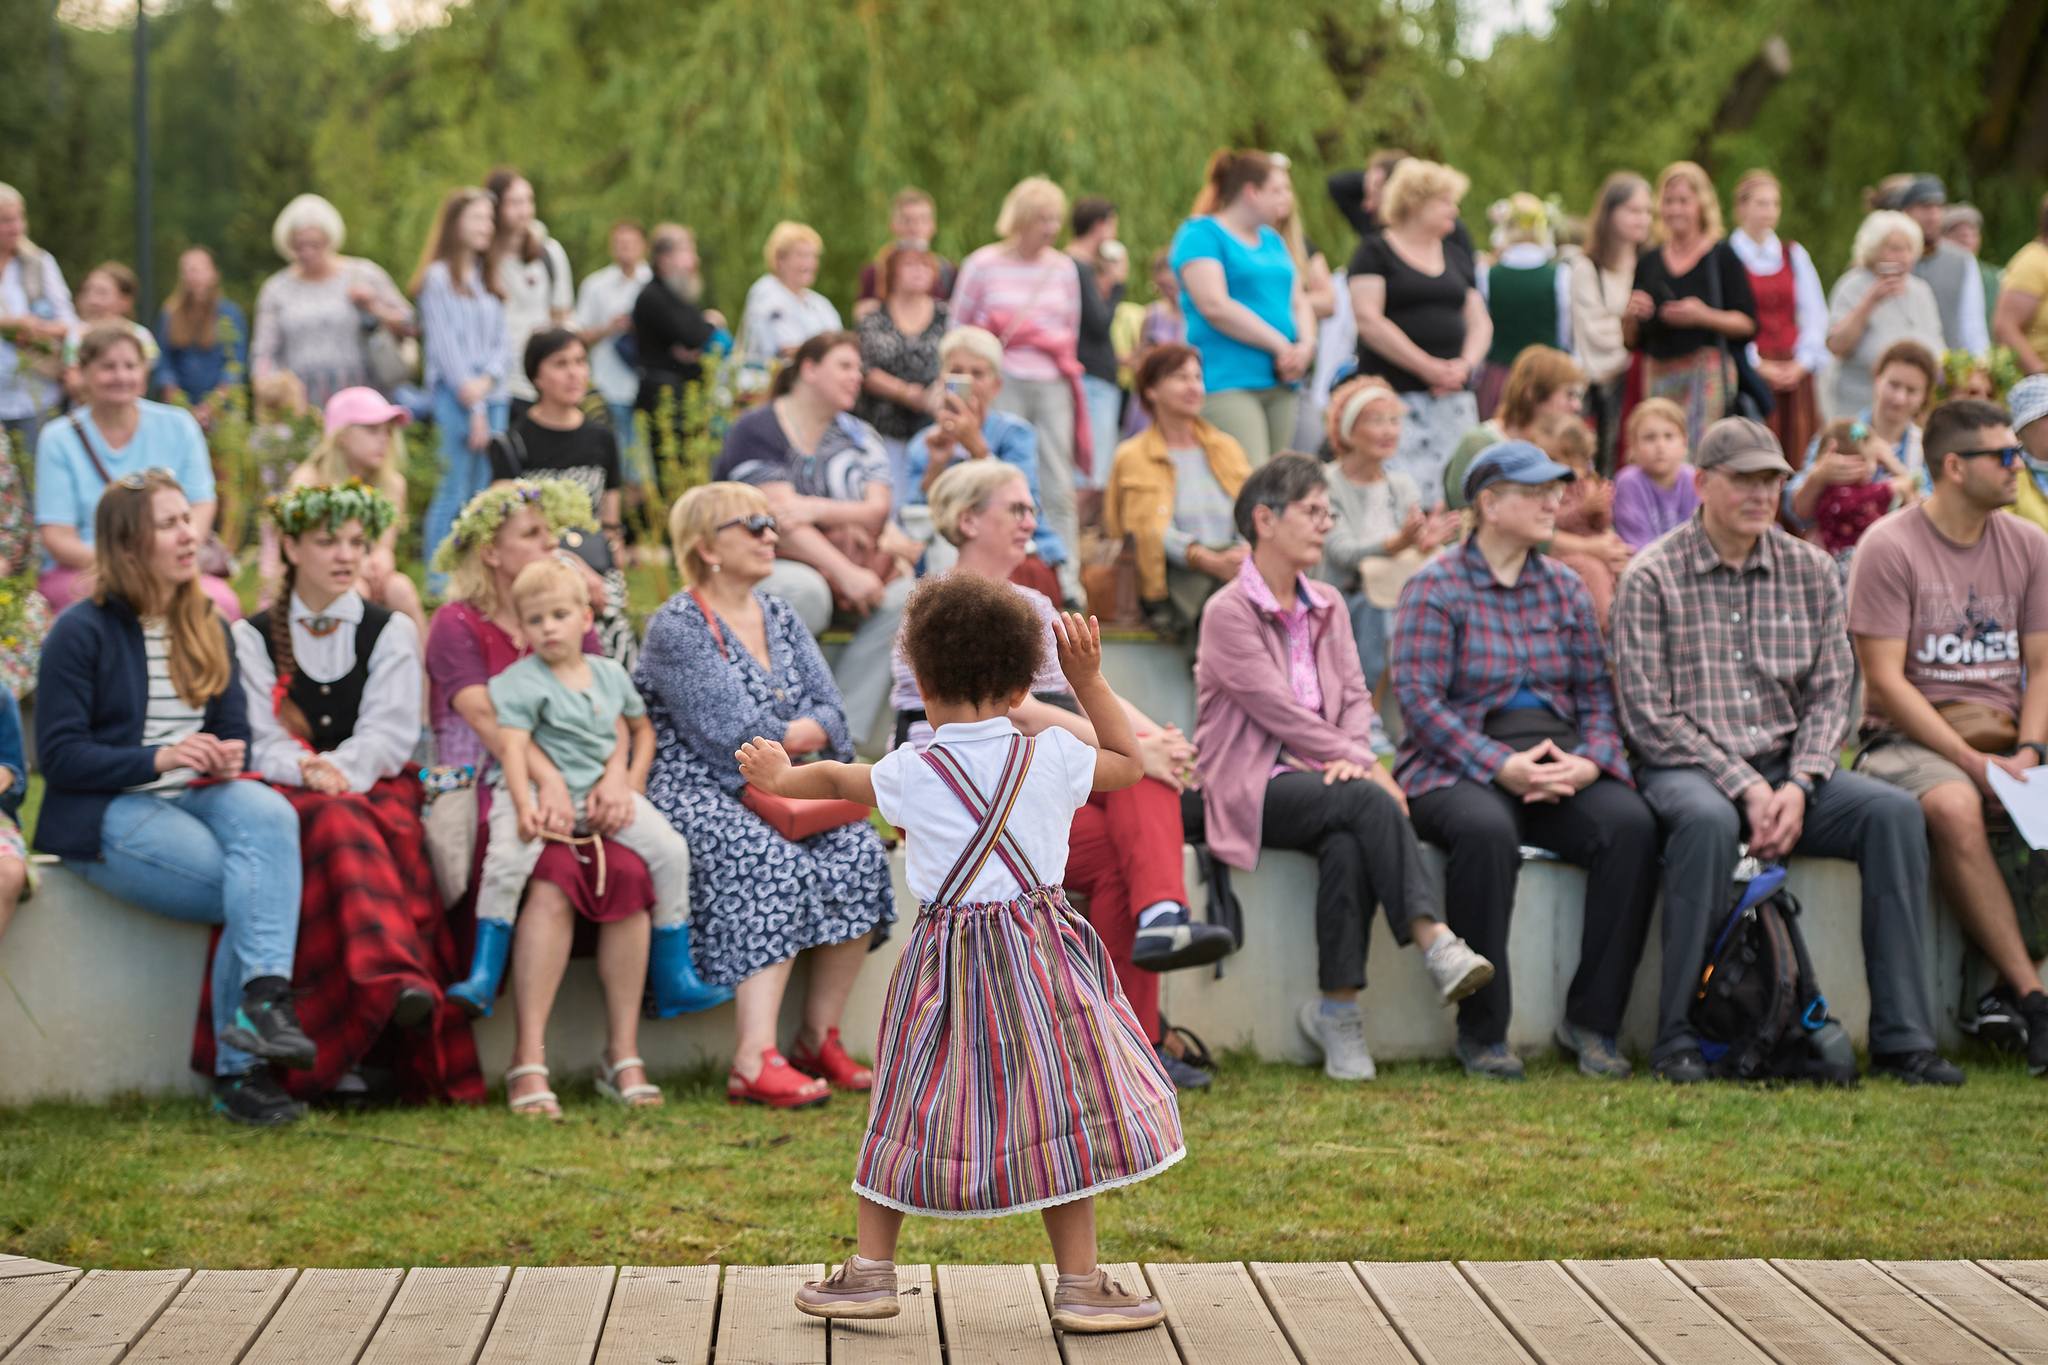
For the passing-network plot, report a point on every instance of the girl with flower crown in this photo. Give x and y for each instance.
(332, 686)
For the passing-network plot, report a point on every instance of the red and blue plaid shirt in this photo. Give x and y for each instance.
(1465, 643)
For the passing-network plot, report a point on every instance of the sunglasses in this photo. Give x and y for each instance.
(2007, 456)
(758, 524)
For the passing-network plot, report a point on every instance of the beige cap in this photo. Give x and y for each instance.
(1740, 445)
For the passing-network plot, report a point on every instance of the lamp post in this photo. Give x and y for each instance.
(144, 248)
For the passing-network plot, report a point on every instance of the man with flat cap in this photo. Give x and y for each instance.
(1734, 677)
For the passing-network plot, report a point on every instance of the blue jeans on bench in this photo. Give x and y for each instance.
(224, 854)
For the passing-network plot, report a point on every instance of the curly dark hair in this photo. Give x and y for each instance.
(971, 639)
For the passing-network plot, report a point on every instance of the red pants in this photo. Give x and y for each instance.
(1124, 855)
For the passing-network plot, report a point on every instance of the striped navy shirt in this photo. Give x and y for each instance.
(170, 718)
(464, 333)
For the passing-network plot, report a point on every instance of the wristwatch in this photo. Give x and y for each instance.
(1804, 783)
(2040, 750)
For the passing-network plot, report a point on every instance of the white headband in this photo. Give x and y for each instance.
(1358, 403)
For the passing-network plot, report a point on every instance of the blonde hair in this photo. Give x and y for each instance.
(695, 518)
(1414, 183)
(1703, 190)
(1032, 194)
(1657, 410)
(787, 234)
(1752, 181)
(547, 577)
(964, 488)
(1880, 227)
(329, 465)
(976, 341)
(1565, 438)
(306, 211)
(124, 531)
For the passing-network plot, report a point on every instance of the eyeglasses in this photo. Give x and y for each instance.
(758, 524)
(1318, 514)
(2007, 456)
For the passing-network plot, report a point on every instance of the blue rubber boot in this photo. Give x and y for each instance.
(673, 986)
(486, 969)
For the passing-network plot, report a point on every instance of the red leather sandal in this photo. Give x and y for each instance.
(779, 1086)
(831, 1063)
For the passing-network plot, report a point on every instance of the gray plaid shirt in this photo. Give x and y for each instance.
(1720, 669)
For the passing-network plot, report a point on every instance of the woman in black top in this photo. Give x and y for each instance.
(899, 349)
(1422, 325)
(1692, 303)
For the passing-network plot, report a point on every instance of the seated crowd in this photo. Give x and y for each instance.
(1614, 619)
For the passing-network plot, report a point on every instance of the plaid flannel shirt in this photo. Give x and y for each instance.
(1720, 669)
(1464, 643)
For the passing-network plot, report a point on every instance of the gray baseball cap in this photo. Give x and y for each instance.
(1740, 446)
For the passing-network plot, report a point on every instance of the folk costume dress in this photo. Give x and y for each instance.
(370, 920)
(1011, 1073)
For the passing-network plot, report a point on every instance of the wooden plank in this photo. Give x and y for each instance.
(1675, 1325)
(661, 1311)
(1981, 1302)
(327, 1318)
(758, 1323)
(214, 1318)
(24, 1301)
(2029, 1277)
(1153, 1346)
(22, 1267)
(1326, 1314)
(1767, 1308)
(1550, 1314)
(1216, 1314)
(440, 1317)
(100, 1318)
(1886, 1314)
(994, 1313)
(1439, 1314)
(909, 1338)
(552, 1315)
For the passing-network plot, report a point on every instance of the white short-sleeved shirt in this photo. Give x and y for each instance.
(913, 798)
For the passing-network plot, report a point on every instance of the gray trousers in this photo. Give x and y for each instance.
(863, 668)
(1874, 825)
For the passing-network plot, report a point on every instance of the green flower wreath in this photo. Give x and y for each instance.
(562, 504)
(328, 506)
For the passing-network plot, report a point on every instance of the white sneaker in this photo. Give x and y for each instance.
(1341, 1038)
(1456, 969)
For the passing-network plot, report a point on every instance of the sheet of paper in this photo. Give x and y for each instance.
(2026, 801)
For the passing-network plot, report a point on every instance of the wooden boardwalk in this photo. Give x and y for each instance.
(1359, 1313)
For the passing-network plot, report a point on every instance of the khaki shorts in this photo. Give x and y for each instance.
(1910, 766)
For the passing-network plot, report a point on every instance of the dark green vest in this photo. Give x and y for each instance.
(1524, 308)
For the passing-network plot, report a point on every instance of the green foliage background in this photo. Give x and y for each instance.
(731, 116)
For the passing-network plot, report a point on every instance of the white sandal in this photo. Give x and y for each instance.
(642, 1096)
(541, 1102)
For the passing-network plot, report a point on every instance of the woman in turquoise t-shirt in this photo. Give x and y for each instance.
(1242, 297)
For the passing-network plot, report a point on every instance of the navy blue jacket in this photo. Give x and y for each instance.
(10, 754)
(91, 692)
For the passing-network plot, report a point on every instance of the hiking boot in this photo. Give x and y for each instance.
(1492, 1060)
(1916, 1068)
(267, 1026)
(1681, 1068)
(1097, 1303)
(859, 1288)
(1184, 1074)
(1173, 941)
(415, 1006)
(1597, 1054)
(1997, 1022)
(1341, 1036)
(1456, 969)
(2034, 1011)
(255, 1098)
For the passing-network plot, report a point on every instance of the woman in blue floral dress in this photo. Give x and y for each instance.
(723, 663)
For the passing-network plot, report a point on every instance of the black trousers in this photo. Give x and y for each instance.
(1607, 829)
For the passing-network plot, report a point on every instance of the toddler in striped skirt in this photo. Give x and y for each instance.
(1011, 1075)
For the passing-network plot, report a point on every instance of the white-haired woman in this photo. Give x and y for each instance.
(1878, 301)
(316, 317)
(783, 311)
(1028, 294)
(35, 317)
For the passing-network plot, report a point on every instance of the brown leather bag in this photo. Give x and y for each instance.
(1987, 729)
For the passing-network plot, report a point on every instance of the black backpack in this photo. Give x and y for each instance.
(1758, 1011)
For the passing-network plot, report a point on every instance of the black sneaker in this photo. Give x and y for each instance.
(1681, 1068)
(1998, 1022)
(1174, 941)
(2034, 1013)
(415, 1006)
(1916, 1068)
(255, 1098)
(267, 1026)
(1184, 1074)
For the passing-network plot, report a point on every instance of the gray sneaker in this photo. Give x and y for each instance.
(1456, 969)
(867, 1290)
(1492, 1060)
(1597, 1054)
(1342, 1040)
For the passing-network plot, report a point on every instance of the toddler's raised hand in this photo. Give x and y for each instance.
(763, 762)
(1080, 646)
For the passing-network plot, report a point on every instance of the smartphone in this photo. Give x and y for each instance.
(958, 385)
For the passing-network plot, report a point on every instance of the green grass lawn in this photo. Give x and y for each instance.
(1422, 1164)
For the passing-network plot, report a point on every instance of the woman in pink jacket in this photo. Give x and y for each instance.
(1290, 750)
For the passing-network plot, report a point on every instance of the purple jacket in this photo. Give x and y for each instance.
(1245, 709)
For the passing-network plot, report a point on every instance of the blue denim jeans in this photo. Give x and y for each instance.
(633, 461)
(224, 854)
(464, 472)
(1105, 412)
(1372, 627)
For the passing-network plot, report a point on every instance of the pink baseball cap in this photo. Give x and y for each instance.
(362, 407)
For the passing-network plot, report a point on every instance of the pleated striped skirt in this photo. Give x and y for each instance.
(1011, 1074)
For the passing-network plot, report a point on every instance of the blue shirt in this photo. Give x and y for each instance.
(463, 333)
(68, 486)
(11, 753)
(1010, 439)
(197, 371)
(1261, 278)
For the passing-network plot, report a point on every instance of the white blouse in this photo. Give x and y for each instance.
(387, 724)
(1810, 304)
